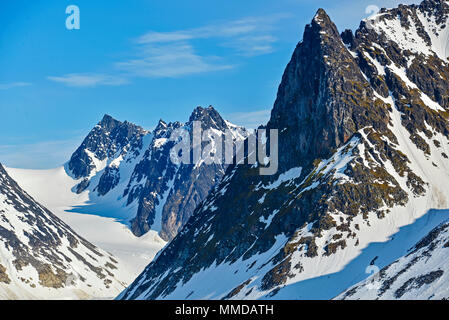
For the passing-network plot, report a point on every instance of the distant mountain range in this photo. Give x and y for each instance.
(121, 164)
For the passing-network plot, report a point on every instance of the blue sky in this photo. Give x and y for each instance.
(142, 60)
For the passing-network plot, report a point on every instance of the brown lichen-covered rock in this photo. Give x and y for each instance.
(3, 275)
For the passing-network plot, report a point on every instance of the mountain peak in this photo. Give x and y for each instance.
(348, 121)
(161, 128)
(108, 122)
(321, 16)
(322, 25)
(107, 117)
(199, 112)
(316, 86)
(2, 169)
(209, 117)
(103, 141)
(161, 125)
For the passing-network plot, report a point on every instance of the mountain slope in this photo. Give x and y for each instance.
(105, 232)
(420, 274)
(42, 257)
(363, 150)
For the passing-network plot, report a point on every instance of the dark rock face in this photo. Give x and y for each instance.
(164, 193)
(325, 95)
(108, 137)
(37, 239)
(182, 186)
(349, 115)
(108, 180)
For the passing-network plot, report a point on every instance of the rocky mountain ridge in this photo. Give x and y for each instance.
(123, 165)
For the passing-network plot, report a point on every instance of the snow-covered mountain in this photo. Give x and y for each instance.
(121, 191)
(423, 273)
(53, 189)
(41, 257)
(128, 172)
(363, 156)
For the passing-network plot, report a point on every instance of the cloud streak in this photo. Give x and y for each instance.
(250, 46)
(88, 80)
(6, 86)
(250, 36)
(221, 30)
(170, 61)
(173, 54)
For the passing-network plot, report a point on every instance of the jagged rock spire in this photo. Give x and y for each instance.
(209, 117)
(323, 98)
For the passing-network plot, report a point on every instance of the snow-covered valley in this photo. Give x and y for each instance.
(53, 189)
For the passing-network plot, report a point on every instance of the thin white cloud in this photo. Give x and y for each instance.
(170, 60)
(88, 80)
(220, 30)
(252, 45)
(172, 54)
(250, 120)
(6, 86)
(158, 37)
